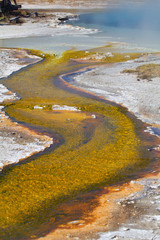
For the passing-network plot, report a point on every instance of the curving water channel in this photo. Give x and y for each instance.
(102, 142)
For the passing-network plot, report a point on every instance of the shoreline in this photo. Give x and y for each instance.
(100, 223)
(69, 79)
(120, 207)
(114, 201)
(114, 190)
(49, 25)
(17, 141)
(127, 83)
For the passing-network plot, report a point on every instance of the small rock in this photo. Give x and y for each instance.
(126, 229)
(114, 237)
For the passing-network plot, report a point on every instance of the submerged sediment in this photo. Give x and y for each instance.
(96, 151)
(17, 142)
(127, 211)
(119, 83)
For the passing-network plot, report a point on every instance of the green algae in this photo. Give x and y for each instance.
(95, 152)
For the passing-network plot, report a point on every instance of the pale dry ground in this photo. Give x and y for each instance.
(16, 141)
(115, 209)
(47, 26)
(12, 60)
(130, 211)
(143, 210)
(76, 5)
(140, 96)
(64, 4)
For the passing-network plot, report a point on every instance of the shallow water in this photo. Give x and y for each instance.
(137, 26)
(57, 44)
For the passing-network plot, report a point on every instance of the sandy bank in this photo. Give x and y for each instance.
(12, 60)
(139, 96)
(45, 26)
(17, 142)
(129, 211)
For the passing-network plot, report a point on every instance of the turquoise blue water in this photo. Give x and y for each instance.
(136, 25)
(57, 44)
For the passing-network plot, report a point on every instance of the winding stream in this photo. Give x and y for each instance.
(97, 151)
(102, 143)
